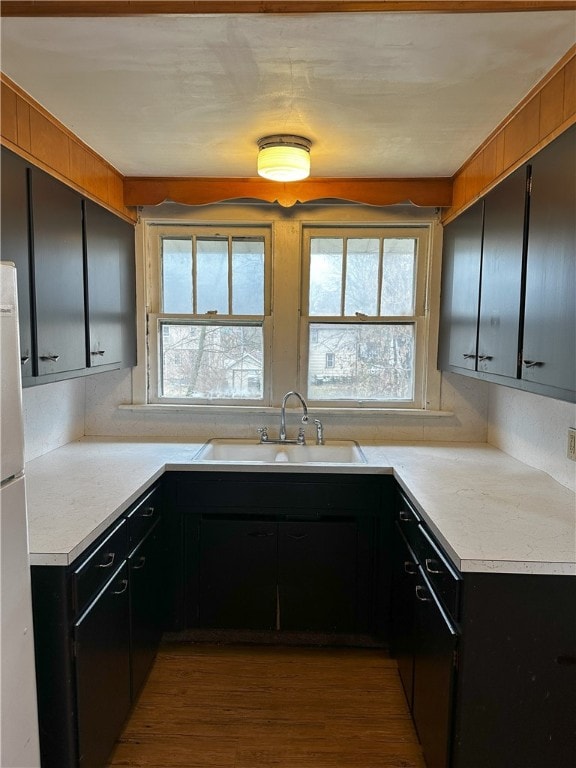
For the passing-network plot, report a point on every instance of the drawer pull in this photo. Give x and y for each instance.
(24, 359)
(51, 358)
(297, 536)
(429, 562)
(484, 357)
(420, 592)
(410, 568)
(469, 356)
(148, 512)
(107, 563)
(405, 516)
(100, 352)
(260, 534)
(122, 589)
(141, 562)
(533, 363)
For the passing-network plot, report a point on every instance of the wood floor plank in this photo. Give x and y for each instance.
(225, 706)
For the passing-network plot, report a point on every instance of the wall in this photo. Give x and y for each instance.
(533, 429)
(53, 415)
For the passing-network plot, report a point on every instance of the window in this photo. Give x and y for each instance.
(211, 311)
(240, 314)
(363, 307)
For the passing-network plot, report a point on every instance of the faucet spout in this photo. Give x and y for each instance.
(282, 435)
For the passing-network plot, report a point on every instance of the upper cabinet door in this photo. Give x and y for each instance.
(58, 275)
(501, 283)
(111, 300)
(461, 260)
(550, 319)
(15, 245)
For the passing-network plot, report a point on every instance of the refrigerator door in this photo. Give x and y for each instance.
(11, 422)
(19, 746)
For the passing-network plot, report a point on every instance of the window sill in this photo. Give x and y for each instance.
(168, 408)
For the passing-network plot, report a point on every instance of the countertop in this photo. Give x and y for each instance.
(490, 512)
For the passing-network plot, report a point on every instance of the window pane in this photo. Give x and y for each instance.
(212, 275)
(362, 276)
(247, 276)
(360, 361)
(325, 275)
(211, 361)
(177, 275)
(399, 264)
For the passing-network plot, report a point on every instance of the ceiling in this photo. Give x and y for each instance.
(379, 94)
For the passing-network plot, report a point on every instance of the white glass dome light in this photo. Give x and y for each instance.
(284, 157)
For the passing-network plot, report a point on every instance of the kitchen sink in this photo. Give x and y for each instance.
(238, 449)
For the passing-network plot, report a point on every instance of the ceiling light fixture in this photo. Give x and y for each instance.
(284, 157)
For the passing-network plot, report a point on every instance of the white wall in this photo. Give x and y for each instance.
(533, 429)
(53, 415)
(465, 397)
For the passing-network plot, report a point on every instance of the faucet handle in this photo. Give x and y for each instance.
(263, 432)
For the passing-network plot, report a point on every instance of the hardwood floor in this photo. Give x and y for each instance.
(209, 706)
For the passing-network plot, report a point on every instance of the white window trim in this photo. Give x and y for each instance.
(284, 239)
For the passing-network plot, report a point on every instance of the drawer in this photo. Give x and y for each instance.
(444, 578)
(408, 520)
(144, 516)
(91, 575)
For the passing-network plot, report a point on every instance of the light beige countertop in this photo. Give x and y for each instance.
(489, 511)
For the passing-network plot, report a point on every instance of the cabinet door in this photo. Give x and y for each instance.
(15, 245)
(147, 600)
(317, 575)
(111, 299)
(434, 673)
(238, 573)
(461, 261)
(502, 272)
(550, 316)
(102, 646)
(58, 275)
(404, 575)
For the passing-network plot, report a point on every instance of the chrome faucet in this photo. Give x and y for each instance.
(282, 435)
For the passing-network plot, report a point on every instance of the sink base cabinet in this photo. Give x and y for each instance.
(274, 552)
(97, 625)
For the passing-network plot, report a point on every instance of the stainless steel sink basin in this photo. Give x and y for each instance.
(240, 450)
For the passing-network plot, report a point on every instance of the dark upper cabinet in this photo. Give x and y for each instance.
(15, 245)
(501, 281)
(110, 287)
(550, 316)
(58, 261)
(461, 264)
(509, 273)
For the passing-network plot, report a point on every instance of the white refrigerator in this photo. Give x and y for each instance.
(19, 746)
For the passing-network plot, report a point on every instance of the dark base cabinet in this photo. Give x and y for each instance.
(97, 625)
(279, 552)
(487, 660)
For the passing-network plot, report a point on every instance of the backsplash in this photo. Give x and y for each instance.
(53, 415)
(533, 429)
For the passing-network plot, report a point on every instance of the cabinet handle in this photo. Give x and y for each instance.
(148, 512)
(533, 363)
(469, 356)
(259, 534)
(429, 562)
(297, 536)
(123, 589)
(405, 517)
(99, 352)
(420, 591)
(141, 563)
(410, 568)
(485, 357)
(51, 358)
(24, 359)
(107, 563)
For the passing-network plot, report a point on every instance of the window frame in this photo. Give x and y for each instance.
(156, 317)
(420, 319)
